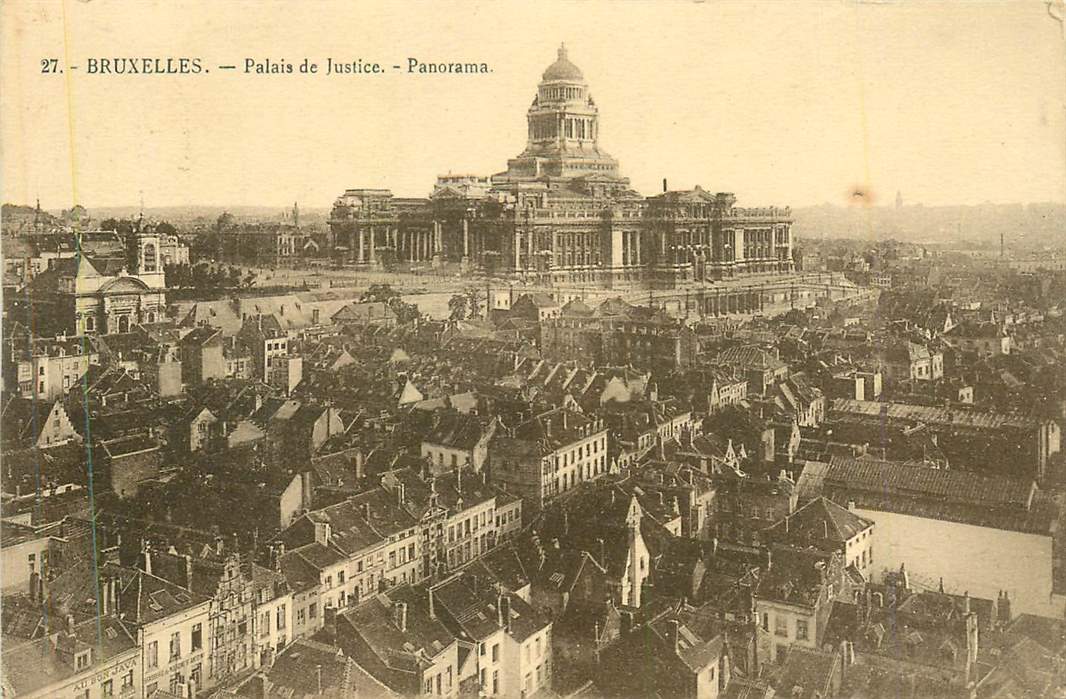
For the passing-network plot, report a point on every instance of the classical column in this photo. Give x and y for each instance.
(466, 238)
(359, 250)
(370, 252)
(517, 249)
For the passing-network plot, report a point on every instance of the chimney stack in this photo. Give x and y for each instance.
(400, 616)
(674, 638)
(505, 607)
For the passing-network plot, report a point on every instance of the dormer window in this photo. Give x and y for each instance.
(82, 660)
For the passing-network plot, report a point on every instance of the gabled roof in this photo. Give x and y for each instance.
(820, 522)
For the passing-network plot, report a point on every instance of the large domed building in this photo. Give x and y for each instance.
(563, 125)
(562, 213)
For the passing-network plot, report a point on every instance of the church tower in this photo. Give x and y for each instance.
(146, 261)
(562, 130)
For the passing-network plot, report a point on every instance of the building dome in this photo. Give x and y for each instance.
(563, 69)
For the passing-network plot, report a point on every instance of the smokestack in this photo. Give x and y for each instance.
(664, 185)
(188, 572)
(318, 677)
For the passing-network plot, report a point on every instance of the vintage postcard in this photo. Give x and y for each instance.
(683, 350)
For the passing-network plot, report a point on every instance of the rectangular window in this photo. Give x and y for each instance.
(801, 630)
(197, 637)
(780, 626)
(312, 610)
(281, 618)
(496, 653)
(175, 645)
(109, 688)
(153, 655)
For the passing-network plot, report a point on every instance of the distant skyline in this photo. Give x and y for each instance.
(783, 103)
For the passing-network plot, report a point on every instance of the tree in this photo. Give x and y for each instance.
(457, 307)
(177, 275)
(117, 225)
(405, 312)
(234, 277)
(381, 293)
(473, 303)
(165, 228)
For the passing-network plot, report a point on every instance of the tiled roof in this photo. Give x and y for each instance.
(891, 477)
(796, 576)
(820, 522)
(950, 495)
(937, 416)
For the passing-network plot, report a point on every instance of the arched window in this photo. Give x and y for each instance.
(149, 257)
(90, 324)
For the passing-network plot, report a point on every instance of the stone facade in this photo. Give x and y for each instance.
(563, 214)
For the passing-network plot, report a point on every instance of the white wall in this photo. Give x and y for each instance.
(980, 560)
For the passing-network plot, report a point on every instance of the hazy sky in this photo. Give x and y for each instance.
(781, 102)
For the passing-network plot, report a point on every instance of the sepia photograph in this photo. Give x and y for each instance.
(601, 349)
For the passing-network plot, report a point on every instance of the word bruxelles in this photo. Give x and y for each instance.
(269, 66)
